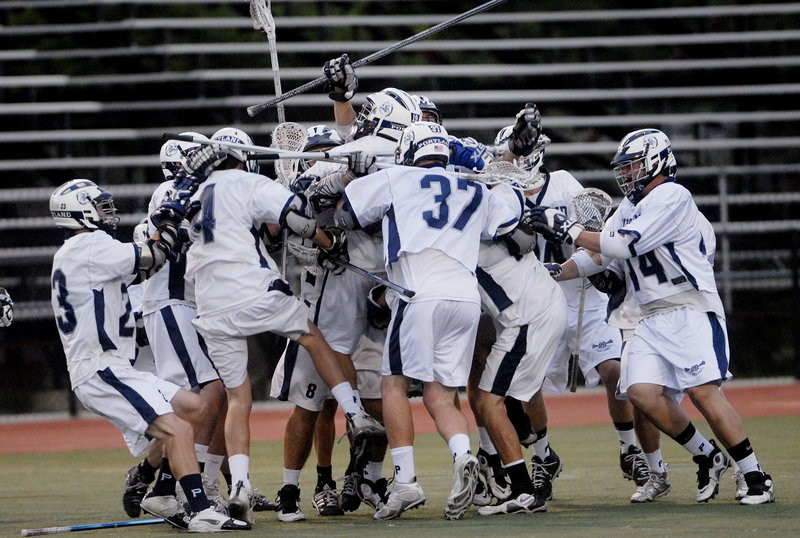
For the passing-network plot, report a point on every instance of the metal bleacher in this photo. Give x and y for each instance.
(722, 80)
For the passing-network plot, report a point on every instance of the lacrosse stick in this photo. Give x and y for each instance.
(256, 109)
(291, 137)
(262, 20)
(591, 206)
(93, 526)
(497, 172)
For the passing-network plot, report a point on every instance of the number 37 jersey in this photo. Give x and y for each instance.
(433, 223)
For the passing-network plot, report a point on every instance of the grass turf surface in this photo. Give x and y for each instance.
(591, 497)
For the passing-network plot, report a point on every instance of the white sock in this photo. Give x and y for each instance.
(748, 464)
(373, 471)
(357, 396)
(346, 397)
(240, 469)
(655, 461)
(699, 445)
(626, 439)
(213, 465)
(291, 476)
(486, 441)
(541, 447)
(459, 444)
(200, 452)
(403, 459)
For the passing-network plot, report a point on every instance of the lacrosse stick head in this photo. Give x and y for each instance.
(258, 12)
(592, 207)
(288, 136)
(497, 172)
(305, 252)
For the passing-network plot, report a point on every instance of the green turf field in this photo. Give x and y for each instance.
(591, 497)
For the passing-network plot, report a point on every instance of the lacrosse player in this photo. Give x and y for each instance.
(527, 314)
(432, 224)
(599, 356)
(239, 292)
(681, 343)
(90, 276)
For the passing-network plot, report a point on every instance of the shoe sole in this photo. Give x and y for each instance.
(240, 512)
(457, 505)
(647, 500)
(412, 506)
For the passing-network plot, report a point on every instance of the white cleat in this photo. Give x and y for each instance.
(240, 504)
(209, 520)
(465, 479)
(402, 497)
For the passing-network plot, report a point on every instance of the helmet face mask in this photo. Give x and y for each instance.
(386, 114)
(642, 156)
(237, 136)
(81, 205)
(174, 152)
(430, 112)
(423, 140)
(320, 138)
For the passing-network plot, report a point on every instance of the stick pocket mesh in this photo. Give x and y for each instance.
(592, 207)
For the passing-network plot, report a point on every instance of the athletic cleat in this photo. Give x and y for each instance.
(656, 486)
(373, 493)
(168, 507)
(135, 490)
(326, 500)
(492, 470)
(523, 503)
(483, 497)
(349, 501)
(210, 520)
(741, 485)
(218, 502)
(262, 504)
(240, 504)
(710, 470)
(465, 479)
(362, 426)
(543, 473)
(760, 489)
(289, 504)
(402, 497)
(634, 466)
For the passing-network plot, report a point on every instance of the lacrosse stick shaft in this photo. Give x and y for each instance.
(93, 526)
(273, 56)
(372, 276)
(573, 374)
(256, 109)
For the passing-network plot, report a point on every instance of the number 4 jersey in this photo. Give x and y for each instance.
(432, 225)
(91, 273)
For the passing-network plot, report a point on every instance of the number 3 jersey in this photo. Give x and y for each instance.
(432, 226)
(665, 253)
(89, 294)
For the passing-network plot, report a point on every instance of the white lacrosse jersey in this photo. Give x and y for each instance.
(666, 239)
(432, 223)
(167, 286)
(227, 262)
(89, 294)
(364, 249)
(558, 190)
(513, 289)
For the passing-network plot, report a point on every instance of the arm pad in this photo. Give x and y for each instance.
(305, 227)
(520, 242)
(153, 253)
(586, 265)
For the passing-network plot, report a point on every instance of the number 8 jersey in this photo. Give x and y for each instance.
(89, 294)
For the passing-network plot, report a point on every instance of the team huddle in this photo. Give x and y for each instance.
(428, 263)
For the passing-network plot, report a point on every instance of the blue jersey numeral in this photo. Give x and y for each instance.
(443, 210)
(66, 319)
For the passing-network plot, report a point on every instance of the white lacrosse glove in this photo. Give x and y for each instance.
(362, 163)
(325, 193)
(552, 224)
(342, 80)
(526, 130)
(6, 308)
(202, 161)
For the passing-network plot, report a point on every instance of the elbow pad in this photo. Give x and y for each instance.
(519, 242)
(305, 227)
(153, 253)
(344, 218)
(586, 265)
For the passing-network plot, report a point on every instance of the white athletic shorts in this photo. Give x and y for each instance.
(128, 398)
(145, 361)
(339, 303)
(226, 333)
(520, 355)
(296, 379)
(432, 341)
(180, 352)
(599, 343)
(679, 349)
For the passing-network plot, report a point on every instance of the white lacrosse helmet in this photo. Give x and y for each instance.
(386, 114)
(423, 140)
(503, 135)
(533, 161)
(140, 234)
(237, 136)
(428, 107)
(322, 137)
(174, 152)
(81, 205)
(642, 155)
